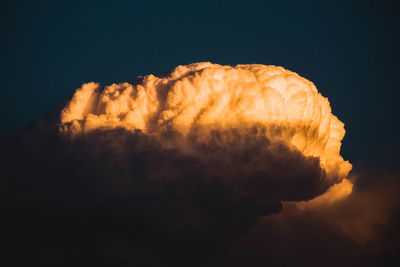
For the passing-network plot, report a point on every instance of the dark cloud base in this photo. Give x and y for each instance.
(115, 198)
(362, 230)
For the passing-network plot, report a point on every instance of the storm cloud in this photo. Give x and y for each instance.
(98, 181)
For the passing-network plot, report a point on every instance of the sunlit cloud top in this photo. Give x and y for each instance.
(202, 97)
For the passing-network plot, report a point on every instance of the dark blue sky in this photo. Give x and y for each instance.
(349, 49)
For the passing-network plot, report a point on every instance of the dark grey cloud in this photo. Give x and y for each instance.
(361, 230)
(113, 197)
(117, 197)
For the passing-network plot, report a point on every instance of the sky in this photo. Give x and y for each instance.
(349, 49)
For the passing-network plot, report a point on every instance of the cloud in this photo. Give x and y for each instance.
(360, 230)
(207, 166)
(115, 188)
(202, 97)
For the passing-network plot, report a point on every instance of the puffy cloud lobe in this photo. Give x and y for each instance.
(202, 97)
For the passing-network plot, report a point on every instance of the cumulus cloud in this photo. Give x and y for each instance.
(197, 99)
(185, 169)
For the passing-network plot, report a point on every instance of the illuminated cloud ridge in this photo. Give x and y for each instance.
(196, 99)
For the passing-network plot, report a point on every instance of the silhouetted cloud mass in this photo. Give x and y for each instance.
(98, 190)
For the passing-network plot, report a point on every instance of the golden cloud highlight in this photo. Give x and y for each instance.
(196, 99)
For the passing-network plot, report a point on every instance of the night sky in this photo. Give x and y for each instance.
(349, 49)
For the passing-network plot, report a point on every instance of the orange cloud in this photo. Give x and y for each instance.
(202, 97)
